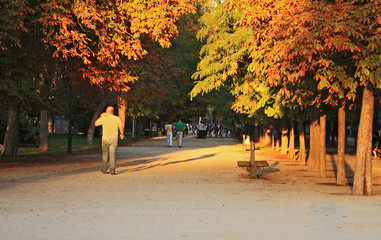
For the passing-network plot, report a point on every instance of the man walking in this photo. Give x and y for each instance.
(179, 132)
(110, 124)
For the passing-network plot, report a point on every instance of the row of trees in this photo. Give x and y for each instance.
(96, 53)
(278, 59)
(281, 59)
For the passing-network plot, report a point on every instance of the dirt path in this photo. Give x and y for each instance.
(195, 192)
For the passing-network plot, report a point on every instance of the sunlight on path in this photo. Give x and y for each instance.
(195, 192)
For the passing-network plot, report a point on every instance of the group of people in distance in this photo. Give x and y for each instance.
(179, 127)
(207, 129)
(203, 130)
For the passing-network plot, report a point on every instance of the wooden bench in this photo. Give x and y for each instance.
(261, 168)
(258, 164)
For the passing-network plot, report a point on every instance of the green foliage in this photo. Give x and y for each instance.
(280, 55)
(21, 54)
(165, 78)
(224, 62)
(12, 23)
(369, 61)
(29, 130)
(224, 50)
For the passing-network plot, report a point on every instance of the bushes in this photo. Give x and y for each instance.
(29, 130)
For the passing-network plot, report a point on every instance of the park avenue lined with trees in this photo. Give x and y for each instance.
(268, 64)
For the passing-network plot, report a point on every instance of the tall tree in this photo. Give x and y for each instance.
(17, 71)
(369, 75)
(108, 37)
(290, 48)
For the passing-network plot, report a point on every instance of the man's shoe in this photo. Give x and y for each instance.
(104, 172)
(113, 173)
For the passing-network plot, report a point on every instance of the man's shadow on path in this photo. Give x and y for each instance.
(141, 168)
(140, 165)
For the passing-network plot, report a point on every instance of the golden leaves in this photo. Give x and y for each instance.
(107, 32)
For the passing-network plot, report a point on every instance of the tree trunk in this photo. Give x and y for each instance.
(323, 167)
(122, 106)
(291, 148)
(11, 139)
(261, 134)
(341, 177)
(273, 135)
(53, 125)
(150, 128)
(277, 136)
(368, 169)
(91, 130)
(253, 167)
(332, 133)
(314, 154)
(362, 166)
(267, 136)
(284, 143)
(134, 131)
(302, 140)
(43, 145)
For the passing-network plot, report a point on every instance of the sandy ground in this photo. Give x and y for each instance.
(195, 192)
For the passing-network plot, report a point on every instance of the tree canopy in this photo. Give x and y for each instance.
(105, 35)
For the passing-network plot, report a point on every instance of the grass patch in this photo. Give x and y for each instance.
(57, 144)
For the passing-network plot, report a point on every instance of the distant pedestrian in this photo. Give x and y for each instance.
(209, 128)
(215, 130)
(221, 128)
(168, 129)
(193, 128)
(110, 126)
(200, 130)
(179, 132)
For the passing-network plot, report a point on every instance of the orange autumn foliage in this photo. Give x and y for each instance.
(295, 38)
(105, 35)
